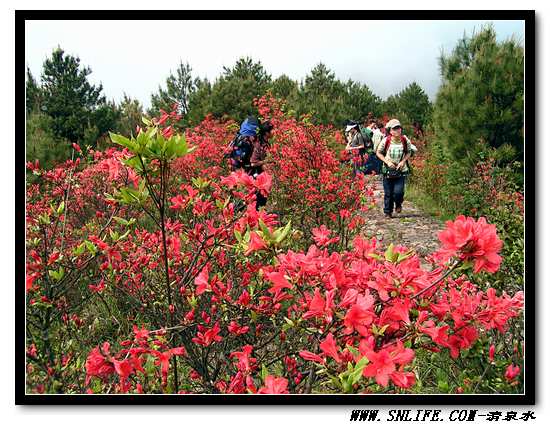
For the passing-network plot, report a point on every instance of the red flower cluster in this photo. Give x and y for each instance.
(471, 240)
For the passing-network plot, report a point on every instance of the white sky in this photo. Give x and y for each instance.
(136, 56)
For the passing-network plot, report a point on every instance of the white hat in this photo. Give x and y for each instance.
(350, 126)
(393, 123)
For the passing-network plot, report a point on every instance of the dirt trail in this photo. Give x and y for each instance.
(412, 227)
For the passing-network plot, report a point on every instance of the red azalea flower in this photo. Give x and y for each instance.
(208, 337)
(98, 365)
(360, 315)
(236, 329)
(328, 346)
(263, 183)
(321, 236)
(168, 132)
(246, 364)
(308, 355)
(471, 240)
(256, 244)
(492, 353)
(279, 282)
(382, 364)
(511, 372)
(274, 385)
(202, 281)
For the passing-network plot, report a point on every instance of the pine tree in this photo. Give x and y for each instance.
(33, 94)
(360, 101)
(200, 102)
(481, 98)
(321, 95)
(414, 104)
(179, 89)
(234, 92)
(284, 87)
(131, 112)
(68, 97)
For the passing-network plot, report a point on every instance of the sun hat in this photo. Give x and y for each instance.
(350, 126)
(393, 123)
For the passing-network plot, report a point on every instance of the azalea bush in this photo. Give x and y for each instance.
(149, 270)
(481, 186)
(310, 183)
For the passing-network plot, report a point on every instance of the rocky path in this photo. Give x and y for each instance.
(412, 227)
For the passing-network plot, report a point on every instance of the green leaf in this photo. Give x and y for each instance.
(355, 376)
(114, 235)
(146, 121)
(134, 163)
(44, 219)
(288, 321)
(124, 235)
(376, 256)
(283, 233)
(353, 350)
(91, 247)
(390, 255)
(181, 147)
(264, 372)
(238, 236)
(123, 141)
(61, 208)
(121, 220)
(192, 300)
(402, 257)
(57, 275)
(265, 231)
(79, 250)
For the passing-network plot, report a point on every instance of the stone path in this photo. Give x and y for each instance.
(412, 227)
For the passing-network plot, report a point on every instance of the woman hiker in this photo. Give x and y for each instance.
(356, 145)
(394, 152)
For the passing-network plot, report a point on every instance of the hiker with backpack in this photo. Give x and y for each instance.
(372, 163)
(248, 150)
(378, 134)
(394, 151)
(241, 147)
(359, 144)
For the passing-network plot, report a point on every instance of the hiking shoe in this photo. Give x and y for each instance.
(398, 209)
(388, 215)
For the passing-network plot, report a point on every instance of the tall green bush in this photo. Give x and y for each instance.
(481, 96)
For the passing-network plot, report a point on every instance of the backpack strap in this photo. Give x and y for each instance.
(403, 141)
(387, 144)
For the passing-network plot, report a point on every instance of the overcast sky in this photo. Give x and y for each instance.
(134, 57)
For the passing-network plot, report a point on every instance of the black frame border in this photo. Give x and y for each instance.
(528, 398)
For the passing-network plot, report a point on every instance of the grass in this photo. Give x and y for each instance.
(425, 202)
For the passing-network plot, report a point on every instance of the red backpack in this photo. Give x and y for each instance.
(388, 141)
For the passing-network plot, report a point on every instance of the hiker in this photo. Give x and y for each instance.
(378, 133)
(241, 147)
(258, 158)
(357, 145)
(247, 151)
(372, 164)
(394, 151)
